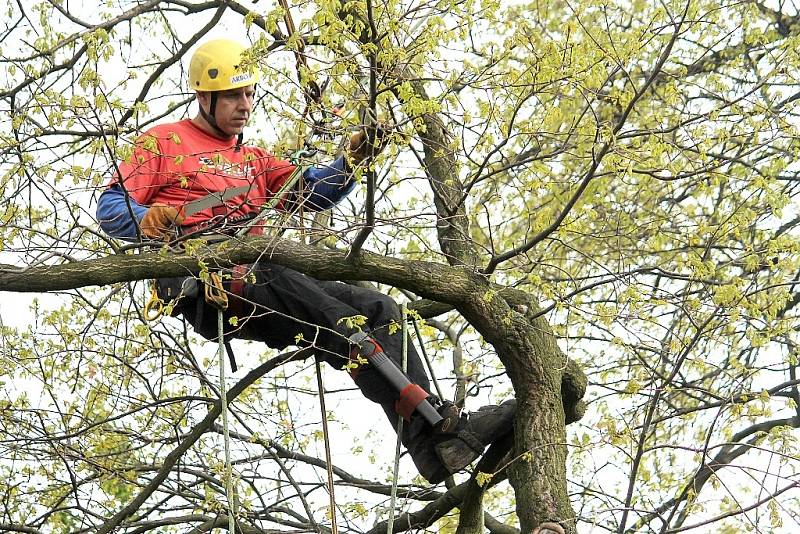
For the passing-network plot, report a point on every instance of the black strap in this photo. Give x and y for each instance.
(200, 302)
(231, 355)
(209, 115)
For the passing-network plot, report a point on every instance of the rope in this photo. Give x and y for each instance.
(393, 499)
(427, 360)
(223, 393)
(311, 91)
(297, 158)
(215, 294)
(326, 439)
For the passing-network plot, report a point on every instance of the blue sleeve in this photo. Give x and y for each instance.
(114, 215)
(326, 186)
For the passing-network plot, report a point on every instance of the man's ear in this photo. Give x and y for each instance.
(203, 99)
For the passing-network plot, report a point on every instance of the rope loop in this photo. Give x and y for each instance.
(215, 293)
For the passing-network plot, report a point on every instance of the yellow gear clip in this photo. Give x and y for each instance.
(154, 307)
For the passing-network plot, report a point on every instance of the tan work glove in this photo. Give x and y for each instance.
(160, 220)
(358, 150)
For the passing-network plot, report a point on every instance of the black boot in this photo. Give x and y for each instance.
(461, 437)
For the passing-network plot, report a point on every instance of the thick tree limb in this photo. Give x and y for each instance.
(8, 527)
(442, 283)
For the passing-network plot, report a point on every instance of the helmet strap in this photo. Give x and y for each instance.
(209, 115)
(210, 118)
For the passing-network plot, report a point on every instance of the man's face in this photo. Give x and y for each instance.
(233, 108)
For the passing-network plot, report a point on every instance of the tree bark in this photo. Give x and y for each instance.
(452, 224)
(535, 365)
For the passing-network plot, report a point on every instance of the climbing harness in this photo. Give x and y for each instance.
(215, 295)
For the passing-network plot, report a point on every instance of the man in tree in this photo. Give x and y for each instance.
(174, 165)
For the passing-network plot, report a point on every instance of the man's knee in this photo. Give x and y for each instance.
(382, 308)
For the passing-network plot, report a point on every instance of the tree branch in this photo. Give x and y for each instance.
(197, 432)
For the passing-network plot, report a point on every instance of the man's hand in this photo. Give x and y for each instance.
(359, 148)
(160, 220)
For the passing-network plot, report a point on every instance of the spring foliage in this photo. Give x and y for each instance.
(630, 166)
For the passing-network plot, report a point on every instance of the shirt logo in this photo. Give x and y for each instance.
(221, 166)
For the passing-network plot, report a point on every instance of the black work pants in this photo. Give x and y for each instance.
(283, 307)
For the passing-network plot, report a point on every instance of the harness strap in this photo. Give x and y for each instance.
(236, 289)
(231, 355)
(210, 116)
(236, 304)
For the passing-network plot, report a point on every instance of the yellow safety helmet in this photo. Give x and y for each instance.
(215, 67)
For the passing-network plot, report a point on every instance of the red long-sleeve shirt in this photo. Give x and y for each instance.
(179, 162)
